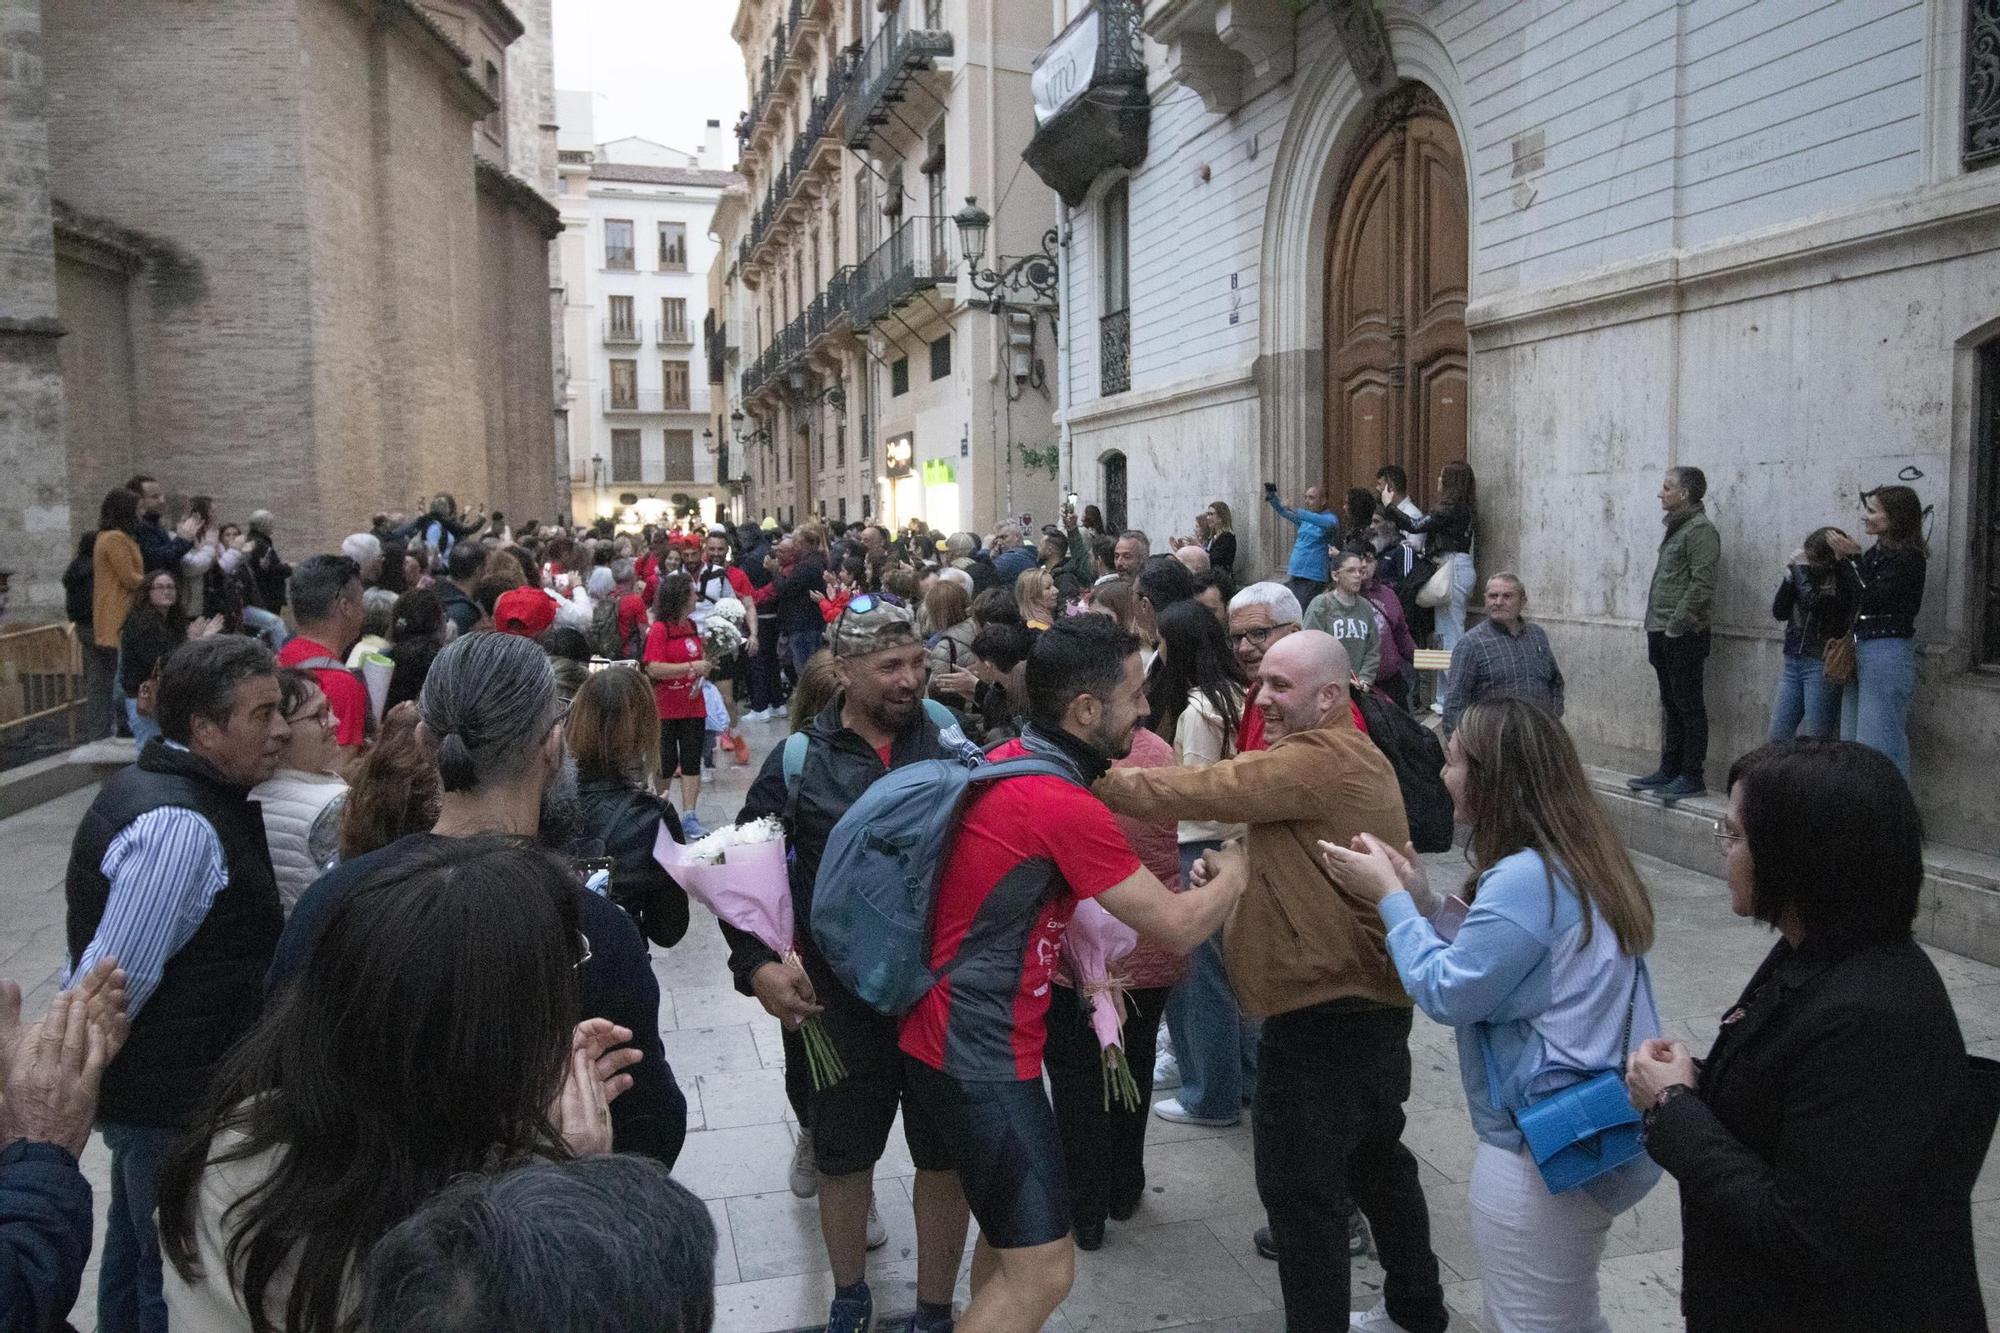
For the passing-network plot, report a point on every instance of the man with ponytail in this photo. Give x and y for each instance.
(491, 716)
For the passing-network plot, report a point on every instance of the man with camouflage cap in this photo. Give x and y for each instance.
(877, 723)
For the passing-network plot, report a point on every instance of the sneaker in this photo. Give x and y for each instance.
(805, 1167)
(851, 1316)
(1659, 777)
(1681, 788)
(692, 829)
(1376, 1320)
(1166, 1071)
(878, 1235)
(1173, 1112)
(1267, 1248)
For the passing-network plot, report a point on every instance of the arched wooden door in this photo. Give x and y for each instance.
(1395, 301)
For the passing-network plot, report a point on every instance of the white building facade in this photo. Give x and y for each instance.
(637, 250)
(874, 380)
(1575, 244)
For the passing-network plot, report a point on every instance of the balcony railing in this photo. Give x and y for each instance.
(618, 334)
(1114, 352)
(916, 255)
(645, 400)
(671, 334)
(1106, 123)
(896, 54)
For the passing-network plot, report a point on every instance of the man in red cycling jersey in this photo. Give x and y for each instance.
(1026, 852)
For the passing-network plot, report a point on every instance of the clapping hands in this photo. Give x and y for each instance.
(52, 1068)
(596, 1077)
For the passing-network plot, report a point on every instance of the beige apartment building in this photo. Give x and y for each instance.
(874, 376)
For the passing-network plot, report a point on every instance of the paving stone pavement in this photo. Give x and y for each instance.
(1186, 1260)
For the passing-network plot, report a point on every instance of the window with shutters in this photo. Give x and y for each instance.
(673, 319)
(674, 383)
(624, 455)
(680, 455)
(625, 385)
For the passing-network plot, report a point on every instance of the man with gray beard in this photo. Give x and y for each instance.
(490, 714)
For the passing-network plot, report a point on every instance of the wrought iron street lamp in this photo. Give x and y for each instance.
(1035, 276)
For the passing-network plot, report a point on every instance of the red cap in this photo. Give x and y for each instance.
(525, 611)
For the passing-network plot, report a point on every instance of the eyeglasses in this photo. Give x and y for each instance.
(1723, 836)
(583, 943)
(322, 715)
(1257, 638)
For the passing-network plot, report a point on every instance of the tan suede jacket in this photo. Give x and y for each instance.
(1294, 939)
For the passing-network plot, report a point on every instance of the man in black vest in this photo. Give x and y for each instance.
(169, 873)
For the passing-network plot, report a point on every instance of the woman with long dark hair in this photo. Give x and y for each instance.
(1826, 1148)
(1544, 983)
(1875, 706)
(156, 625)
(1816, 603)
(430, 1034)
(1196, 696)
(418, 632)
(673, 661)
(1448, 530)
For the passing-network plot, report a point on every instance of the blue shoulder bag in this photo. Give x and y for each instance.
(1586, 1129)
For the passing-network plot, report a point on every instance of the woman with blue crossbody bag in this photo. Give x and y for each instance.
(1538, 963)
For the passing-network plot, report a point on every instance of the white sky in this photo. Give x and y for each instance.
(663, 67)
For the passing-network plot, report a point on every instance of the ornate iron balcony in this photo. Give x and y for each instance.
(917, 255)
(897, 53)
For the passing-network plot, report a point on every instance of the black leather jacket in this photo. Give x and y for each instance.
(627, 819)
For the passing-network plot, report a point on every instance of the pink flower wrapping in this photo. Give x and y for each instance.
(748, 888)
(1094, 942)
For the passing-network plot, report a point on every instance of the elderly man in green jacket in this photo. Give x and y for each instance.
(1677, 613)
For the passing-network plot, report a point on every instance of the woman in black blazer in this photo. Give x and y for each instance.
(1827, 1147)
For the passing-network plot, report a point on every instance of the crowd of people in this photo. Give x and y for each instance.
(360, 999)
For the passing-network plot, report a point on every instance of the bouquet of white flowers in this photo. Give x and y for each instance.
(722, 634)
(738, 873)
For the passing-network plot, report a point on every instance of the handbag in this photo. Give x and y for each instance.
(1837, 660)
(1588, 1128)
(1437, 588)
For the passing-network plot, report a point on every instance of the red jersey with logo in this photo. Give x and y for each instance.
(1026, 852)
(679, 697)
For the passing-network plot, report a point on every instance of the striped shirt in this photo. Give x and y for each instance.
(165, 869)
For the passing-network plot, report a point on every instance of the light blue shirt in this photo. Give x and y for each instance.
(1522, 986)
(165, 869)
(1315, 533)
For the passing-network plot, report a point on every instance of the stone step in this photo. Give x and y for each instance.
(29, 785)
(1959, 909)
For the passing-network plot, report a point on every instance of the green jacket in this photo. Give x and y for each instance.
(1683, 590)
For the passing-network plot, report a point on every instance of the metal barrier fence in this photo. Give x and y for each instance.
(41, 675)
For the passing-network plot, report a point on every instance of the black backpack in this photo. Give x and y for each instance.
(1414, 752)
(80, 589)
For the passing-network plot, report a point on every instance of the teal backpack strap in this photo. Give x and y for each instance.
(794, 760)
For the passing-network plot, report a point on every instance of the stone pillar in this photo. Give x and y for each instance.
(35, 519)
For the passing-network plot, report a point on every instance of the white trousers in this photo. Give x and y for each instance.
(1540, 1250)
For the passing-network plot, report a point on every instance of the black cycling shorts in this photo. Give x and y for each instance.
(680, 745)
(850, 1121)
(1006, 1150)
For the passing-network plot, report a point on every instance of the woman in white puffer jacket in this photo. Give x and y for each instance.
(303, 799)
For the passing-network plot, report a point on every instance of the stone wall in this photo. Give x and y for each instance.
(35, 523)
(514, 368)
(94, 297)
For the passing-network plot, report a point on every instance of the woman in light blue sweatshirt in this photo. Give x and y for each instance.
(1544, 981)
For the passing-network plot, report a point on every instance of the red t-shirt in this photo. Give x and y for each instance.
(1027, 851)
(347, 696)
(681, 696)
(631, 618)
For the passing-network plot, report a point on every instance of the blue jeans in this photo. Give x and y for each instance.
(143, 728)
(804, 644)
(1875, 707)
(1804, 696)
(129, 1299)
(1451, 616)
(1214, 1044)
